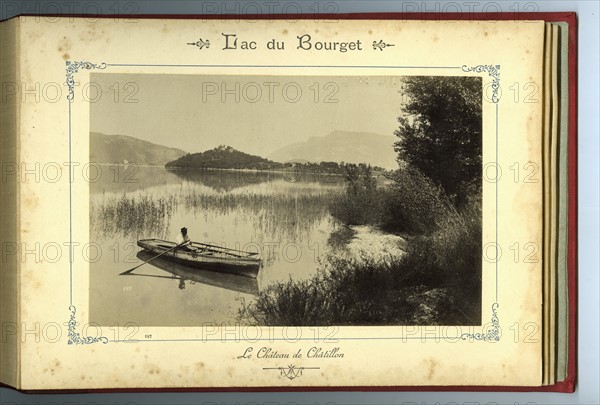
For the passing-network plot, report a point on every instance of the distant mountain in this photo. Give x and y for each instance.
(120, 148)
(223, 157)
(342, 146)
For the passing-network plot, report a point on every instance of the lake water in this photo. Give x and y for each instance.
(283, 216)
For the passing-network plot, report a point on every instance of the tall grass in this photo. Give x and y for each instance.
(289, 216)
(342, 293)
(127, 216)
(450, 258)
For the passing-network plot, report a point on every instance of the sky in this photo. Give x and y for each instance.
(254, 114)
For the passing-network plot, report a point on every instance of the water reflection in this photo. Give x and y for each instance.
(119, 178)
(190, 276)
(228, 180)
(223, 180)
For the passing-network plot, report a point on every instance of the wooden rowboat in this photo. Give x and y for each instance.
(205, 256)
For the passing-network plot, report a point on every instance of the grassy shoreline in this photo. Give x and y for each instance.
(436, 280)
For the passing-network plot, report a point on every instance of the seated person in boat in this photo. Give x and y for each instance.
(184, 241)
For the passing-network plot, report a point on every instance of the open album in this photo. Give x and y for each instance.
(370, 202)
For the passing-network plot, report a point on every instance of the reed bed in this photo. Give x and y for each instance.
(276, 216)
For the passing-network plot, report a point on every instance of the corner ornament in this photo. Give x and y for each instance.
(75, 338)
(493, 71)
(492, 334)
(72, 68)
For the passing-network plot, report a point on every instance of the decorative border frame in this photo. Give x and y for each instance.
(75, 338)
(493, 333)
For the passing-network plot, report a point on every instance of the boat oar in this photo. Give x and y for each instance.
(152, 275)
(149, 260)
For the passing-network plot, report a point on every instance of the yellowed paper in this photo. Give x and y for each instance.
(56, 293)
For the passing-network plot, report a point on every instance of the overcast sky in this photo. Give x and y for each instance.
(254, 114)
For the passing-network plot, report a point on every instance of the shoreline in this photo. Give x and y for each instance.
(244, 170)
(360, 243)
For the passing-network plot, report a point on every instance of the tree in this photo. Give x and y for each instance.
(369, 182)
(440, 131)
(352, 174)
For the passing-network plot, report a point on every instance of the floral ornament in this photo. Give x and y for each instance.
(380, 45)
(75, 338)
(493, 333)
(72, 68)
(200, 43)
(493, 71)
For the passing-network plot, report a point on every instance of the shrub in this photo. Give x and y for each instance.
(412, 203)
(450, 258)
(360, 204)
(342, 293)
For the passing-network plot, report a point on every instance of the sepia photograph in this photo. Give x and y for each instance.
(286, 200)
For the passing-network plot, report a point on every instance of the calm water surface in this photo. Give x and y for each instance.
(283, 216)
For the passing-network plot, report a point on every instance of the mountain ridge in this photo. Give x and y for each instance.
(341, 146)
(120, 148)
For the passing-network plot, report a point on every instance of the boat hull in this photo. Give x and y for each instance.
(205, 257)
(194, 275)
